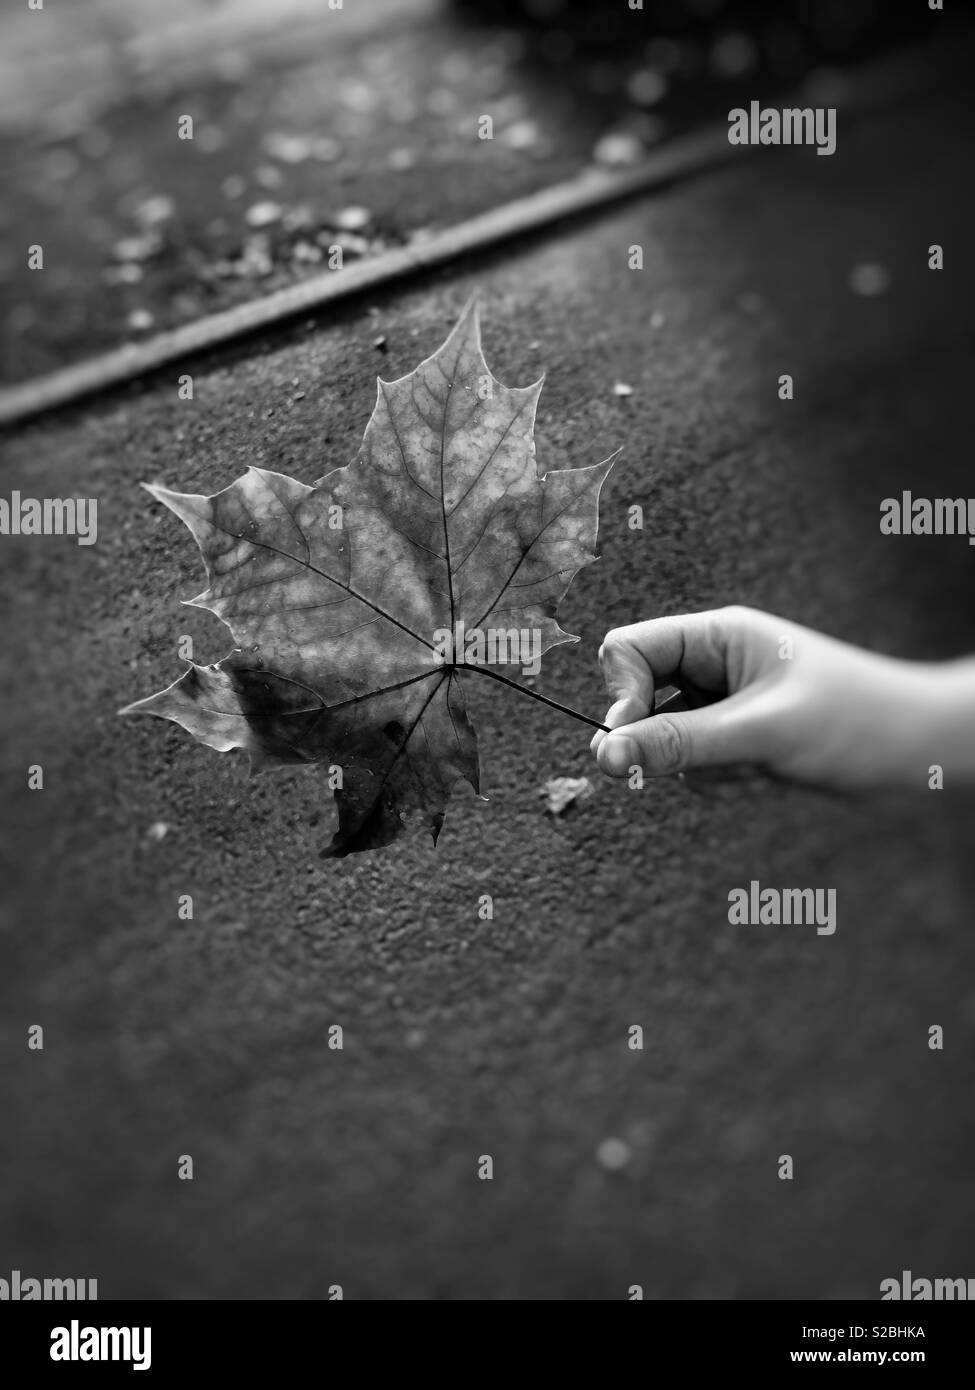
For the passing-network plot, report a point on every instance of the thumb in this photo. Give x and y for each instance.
(716, 734)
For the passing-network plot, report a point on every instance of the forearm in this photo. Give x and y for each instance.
(916, 731)
(948, 728)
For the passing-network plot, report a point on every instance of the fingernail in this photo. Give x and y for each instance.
(618, 754)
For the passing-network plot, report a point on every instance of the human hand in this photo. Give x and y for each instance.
(767, 692)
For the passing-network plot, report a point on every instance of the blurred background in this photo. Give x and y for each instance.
(313, 124)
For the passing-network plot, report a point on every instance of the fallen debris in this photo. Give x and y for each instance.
(563, 792)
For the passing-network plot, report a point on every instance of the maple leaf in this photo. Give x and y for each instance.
(335, 594)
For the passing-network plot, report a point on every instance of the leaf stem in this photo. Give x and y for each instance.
(533, 694)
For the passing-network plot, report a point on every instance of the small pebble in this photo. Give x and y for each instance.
(140, 320)
(351, 243)
(358, 96)
(290, 149)
(562, 792)
(136, 248)
(123, 274)
(255, 260)
(155, 210)
(613, 1154)
(621, 389)
(617, 149)
(521, 136)
(297, 218)
(353, 219)
(158, 830)
(263, 214)
(306, 253)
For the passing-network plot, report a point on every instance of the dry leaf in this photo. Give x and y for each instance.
(335, 593)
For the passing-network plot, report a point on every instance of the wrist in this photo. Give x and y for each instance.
(909, 725)
(946, 723)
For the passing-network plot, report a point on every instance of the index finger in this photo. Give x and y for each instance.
(696, 649)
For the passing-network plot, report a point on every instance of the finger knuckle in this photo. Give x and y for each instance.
(672, 744)
(736, 614)
(612, 643)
